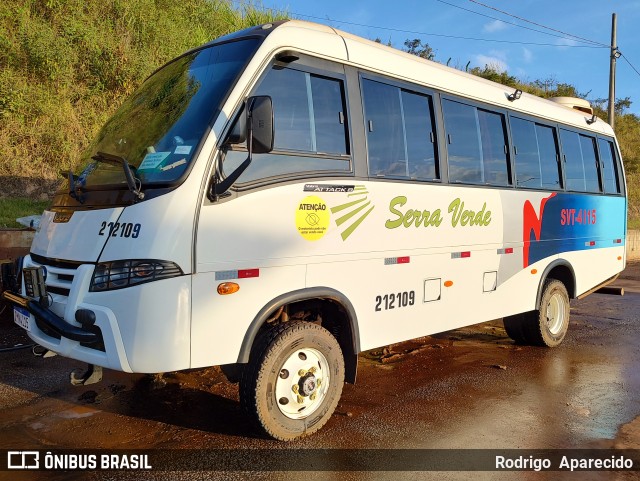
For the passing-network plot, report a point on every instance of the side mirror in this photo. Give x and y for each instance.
(260, 119)
(238, 134)
(259, 135)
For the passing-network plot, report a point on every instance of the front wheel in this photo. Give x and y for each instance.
(293, 381)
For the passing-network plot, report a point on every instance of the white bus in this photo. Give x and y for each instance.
(285, 197)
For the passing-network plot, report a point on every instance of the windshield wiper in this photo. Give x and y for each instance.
(74, 192)
(133, 182)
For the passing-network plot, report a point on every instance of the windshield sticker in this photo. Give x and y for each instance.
(183, 150)
(174, 165)
(312, 218)
(151, 161)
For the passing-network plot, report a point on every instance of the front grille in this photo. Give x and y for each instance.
(60, 274)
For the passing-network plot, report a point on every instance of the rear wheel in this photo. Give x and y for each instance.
(293, 381)
(546, 326)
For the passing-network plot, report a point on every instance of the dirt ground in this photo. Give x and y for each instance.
(471, 388)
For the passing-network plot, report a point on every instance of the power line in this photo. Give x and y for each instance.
(630, 64)
(509, 23)
(413, 32)
(538, 24)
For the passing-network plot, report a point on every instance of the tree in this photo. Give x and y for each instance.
(422, 50)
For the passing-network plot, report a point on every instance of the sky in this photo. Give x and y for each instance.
(490, 40)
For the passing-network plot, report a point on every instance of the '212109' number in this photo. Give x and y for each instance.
(117, 229)
(398, 299)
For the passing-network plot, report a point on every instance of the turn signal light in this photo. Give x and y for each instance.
(228, 288)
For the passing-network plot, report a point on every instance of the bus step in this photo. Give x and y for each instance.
(614, 291)
(92, 375)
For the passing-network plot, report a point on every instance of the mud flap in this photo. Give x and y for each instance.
(92, 375)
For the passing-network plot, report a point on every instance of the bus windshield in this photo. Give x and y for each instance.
(157, 129)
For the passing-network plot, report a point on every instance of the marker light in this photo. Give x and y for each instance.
(228, 288)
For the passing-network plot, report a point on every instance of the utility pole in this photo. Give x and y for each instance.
(612, 68)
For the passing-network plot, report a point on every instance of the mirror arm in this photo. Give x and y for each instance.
(221, 187)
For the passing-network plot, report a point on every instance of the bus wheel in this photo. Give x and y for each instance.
(546, 326)
(552, 319)
(293, 381)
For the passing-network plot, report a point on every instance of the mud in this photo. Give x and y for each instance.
(468, 388)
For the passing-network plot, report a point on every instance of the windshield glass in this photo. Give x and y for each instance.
(158, 128)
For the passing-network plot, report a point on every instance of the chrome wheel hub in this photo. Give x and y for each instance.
(556, 313)
(302, 383)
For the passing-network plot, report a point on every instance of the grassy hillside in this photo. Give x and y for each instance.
(65, 65)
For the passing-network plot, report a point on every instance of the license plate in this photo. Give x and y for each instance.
(22, 317)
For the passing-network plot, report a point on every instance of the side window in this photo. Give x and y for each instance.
(310, 126)
(610, 177)
(494, 147)
(590, 161)
(536, 155)
(401, 140)
(581, 169)
(477, 141)
(549, 157)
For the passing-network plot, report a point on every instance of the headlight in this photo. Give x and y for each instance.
(108, 276)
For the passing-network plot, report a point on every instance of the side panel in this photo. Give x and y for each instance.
(414, 259)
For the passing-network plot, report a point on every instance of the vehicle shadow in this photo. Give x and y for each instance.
(201, 400)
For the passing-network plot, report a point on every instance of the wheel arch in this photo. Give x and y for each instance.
(349, 339)
(561, 270)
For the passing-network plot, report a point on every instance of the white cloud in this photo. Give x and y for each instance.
(527, 55)
(498, 64)
(566, 42)
(495, 26)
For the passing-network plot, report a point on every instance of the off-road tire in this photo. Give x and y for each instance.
(272, 348)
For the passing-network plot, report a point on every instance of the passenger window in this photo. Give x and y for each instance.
(310, 126)
(590, 160)
(494, 147)
(465, 154)
(580, 162)
(536, 155)
(477, 141)
(401, 140)
(609, 171)
(549, 157)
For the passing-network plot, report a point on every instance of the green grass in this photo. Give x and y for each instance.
(13, 208)
(66, 65)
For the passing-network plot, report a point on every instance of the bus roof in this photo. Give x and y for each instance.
(320, 40)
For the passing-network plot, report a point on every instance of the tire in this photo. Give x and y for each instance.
(546, 326)
(514, 325)
(284, 386)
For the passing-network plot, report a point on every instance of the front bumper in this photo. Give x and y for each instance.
(46, 320)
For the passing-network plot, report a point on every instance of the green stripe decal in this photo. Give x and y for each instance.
(358, 193)
(348, 216)
(338, 208)
(353, 226)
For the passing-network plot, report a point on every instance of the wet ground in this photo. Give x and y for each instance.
(471, 388)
